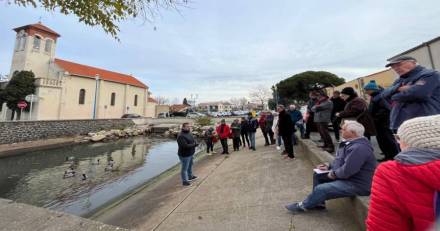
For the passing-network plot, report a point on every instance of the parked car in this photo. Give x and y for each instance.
(130, 116)
(178, 114)
(213, 114)
(194, 115)
(163, 115)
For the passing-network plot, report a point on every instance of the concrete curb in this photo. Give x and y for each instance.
(316, 156)
(18, 216)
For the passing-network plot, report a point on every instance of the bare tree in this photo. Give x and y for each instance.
(235, 102)
(161, 100)
(260, 94)
(243, 102)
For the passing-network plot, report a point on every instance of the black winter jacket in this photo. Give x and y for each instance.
(187, 144)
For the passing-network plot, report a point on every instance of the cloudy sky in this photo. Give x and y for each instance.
(223, 49)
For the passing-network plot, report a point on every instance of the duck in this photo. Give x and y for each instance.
(96, 163)
(109, 165)
(69, 173)
(70, 158)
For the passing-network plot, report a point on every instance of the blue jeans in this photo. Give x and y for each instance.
(328, 190)
(186, 168)
(252, 139)
(300, 126)
(279, 140)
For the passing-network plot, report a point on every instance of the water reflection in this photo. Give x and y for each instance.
(37, 178)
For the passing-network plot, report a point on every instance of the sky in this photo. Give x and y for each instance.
(223, 49)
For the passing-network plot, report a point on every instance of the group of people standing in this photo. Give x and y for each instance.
(347, 105)
(405, 118)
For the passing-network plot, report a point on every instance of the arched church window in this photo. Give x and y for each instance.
(37, 42)
(135, 100)
(48, 45)
(82, 96)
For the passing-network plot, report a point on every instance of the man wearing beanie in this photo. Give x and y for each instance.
(379, 109)
(357, 109)
(415, 93)
(405, 192)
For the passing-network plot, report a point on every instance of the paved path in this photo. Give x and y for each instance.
(246, 191)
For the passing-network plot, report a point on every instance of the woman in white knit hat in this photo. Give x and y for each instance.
(405, 192)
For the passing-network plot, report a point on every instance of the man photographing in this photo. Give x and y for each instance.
(187, 148)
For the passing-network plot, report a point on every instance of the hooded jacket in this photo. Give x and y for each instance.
(355, 163)
(403, 192)
(421, 99)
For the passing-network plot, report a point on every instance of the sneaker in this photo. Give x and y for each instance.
(278, 148)
(192, 178)
(214, 152)
(296, 208)
(186, 183)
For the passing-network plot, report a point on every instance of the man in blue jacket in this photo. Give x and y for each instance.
(350, 174)
(416, 93)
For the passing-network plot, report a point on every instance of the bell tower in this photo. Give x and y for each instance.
(34, 49)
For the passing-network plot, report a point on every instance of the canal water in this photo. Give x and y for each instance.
(37, 178)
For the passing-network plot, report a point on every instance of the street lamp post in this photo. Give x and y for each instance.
(96, 95)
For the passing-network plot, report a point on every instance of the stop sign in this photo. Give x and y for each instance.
(22, 104)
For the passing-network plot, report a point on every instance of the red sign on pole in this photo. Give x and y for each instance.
(22, 104)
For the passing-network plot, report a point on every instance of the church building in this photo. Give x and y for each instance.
(69, 90)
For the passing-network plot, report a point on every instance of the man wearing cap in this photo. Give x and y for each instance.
(416, 92)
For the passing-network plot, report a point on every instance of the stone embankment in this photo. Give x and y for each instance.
(115, 134)
(22, 131)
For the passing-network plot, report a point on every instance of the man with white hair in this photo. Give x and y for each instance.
(350, 174)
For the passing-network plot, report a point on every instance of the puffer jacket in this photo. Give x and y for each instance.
(223, 131)
(403, 191)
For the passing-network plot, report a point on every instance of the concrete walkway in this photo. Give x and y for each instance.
(246, 191)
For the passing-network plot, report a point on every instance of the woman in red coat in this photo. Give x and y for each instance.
(223, 132)
(405, 191)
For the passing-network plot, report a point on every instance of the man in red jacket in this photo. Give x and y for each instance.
(405, 192)
(223, 132)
